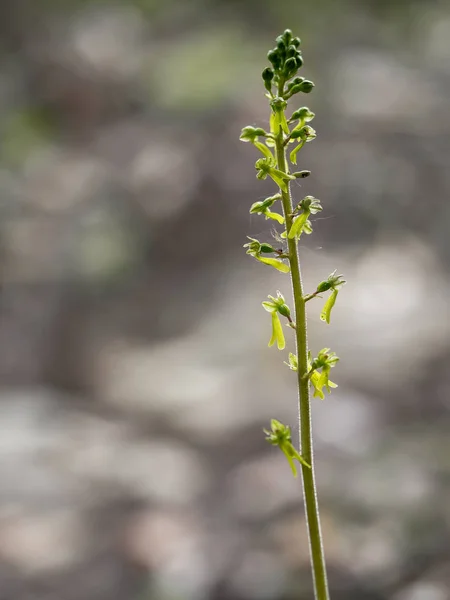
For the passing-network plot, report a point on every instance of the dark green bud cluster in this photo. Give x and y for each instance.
(286, 59)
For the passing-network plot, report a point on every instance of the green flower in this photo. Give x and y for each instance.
(278, 118)
(330, 283)
(305, 134)
(301, 224)
(333, 282)
(280, 435)
(293, 362)
(266, 166)
(277, 306)
(252, 135)
(263, 208)
(256, 248)
(325, 361)
(302, 115)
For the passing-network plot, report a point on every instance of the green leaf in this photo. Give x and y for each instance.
(275, 263)
(277, 332)
(326, 311)
(297, 226)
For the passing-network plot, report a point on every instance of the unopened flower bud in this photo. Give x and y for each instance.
(291, 51)
(307, 86)
(287, 35)
(274, 58)
(268, 74)
(290, 66)
(284, 310)
(299, 60)
(266, 248)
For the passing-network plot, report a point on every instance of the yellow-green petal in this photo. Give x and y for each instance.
(280, 182)
(290, 461)
(274, 124)
(297, 226)
(326, 311)
(293, 154)
(300, 458)
(283, 122)
(265, 150)
(275, 263)
(315, 381)
(269, 306)
(275, 216)
(282, 174)
(277, 332)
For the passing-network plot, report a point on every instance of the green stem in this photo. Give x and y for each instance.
(306, 444)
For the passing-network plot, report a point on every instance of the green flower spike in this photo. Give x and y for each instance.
(262, 208)
(265, 167)
(305, 134)
(280, 435)
(332, 283)
(252, 135)
(325, 360)
(256, 248)
(277, 306)
(309, 205)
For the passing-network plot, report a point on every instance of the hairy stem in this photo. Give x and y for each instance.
(306, 444)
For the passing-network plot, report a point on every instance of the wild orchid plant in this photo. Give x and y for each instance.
(282, 83)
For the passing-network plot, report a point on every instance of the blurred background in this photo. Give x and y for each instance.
(135, 377)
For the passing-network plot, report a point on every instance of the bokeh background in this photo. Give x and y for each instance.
(135, 377)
